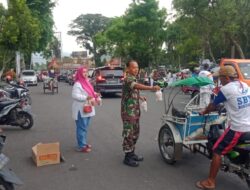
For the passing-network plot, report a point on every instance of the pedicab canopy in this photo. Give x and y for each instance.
(193, 81)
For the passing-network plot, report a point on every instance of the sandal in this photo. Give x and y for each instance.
(89, 145)
(206, 186)
(86, 149)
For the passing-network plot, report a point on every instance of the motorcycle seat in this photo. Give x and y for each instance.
(244, 142)
(245, 138)
(6, 103)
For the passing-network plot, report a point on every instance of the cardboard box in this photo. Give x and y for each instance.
(45, 154)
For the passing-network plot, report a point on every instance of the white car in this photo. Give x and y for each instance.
(29, 77)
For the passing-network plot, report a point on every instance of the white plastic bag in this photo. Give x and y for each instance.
(144, 106)
(158, 95)
(99, 100)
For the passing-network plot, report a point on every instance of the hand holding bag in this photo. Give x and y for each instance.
(87, 108)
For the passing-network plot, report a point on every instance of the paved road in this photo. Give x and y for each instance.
(102, 169)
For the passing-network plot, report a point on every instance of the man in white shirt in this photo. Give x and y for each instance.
(205, 91)
(236, 97)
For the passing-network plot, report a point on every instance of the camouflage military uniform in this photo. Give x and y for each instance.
(130, 113)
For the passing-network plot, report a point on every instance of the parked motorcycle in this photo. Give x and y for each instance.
(15, 113)
(236, 161)
(7, 177)
(17, 91)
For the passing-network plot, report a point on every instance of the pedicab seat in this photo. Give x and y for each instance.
(178, 113)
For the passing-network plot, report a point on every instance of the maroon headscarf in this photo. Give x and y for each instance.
(85, 82)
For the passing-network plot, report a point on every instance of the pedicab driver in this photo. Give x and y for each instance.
(236, 97)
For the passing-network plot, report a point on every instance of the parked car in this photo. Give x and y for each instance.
(90, 72)
(29, 77)
(242, 67)
(68, 74)
(71, 77)
(62, 77)
(107, 79)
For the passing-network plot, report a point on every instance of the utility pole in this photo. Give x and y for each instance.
(58, 35)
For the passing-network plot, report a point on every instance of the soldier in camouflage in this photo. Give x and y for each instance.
(130, 113)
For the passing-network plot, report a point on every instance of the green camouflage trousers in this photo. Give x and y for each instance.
(130, 134)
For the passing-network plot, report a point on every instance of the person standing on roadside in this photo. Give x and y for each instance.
(205, 91)
(83, 94)
(130, 112)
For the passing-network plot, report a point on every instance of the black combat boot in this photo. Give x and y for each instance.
(128, 160)
(136, 157)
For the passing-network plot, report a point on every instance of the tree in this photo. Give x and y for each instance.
(139, 34)
(53, 49)
(147, 24)
(85, 27)
(182, 42)
(224, 25)
(114, 39)
(3, 61)
(21, 31)
(27, 28)
(42, 11)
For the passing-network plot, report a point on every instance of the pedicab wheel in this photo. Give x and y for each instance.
(248, 181)
(167, 144)
(4, 185)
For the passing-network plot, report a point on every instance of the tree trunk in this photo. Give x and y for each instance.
(27, 60)
(1, 72)
(5, 62)
(238, 47)
(233, 51)
(210, 51)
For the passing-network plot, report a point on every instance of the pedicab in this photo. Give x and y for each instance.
(183, 127)
(50, 84)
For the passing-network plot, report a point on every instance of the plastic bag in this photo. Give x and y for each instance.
(144, 106)
(99, 101)
(158, 95)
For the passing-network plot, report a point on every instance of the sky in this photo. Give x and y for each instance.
(4, 2)
(67, 10)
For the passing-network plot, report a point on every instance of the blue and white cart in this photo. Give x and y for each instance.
(182, 126)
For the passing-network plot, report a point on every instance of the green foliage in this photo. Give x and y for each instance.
(139, 34)
(53, 49)
(215, 26)
(42, 10)
(26, 26)
(39, 67)
(85, 28)
(146, 24)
